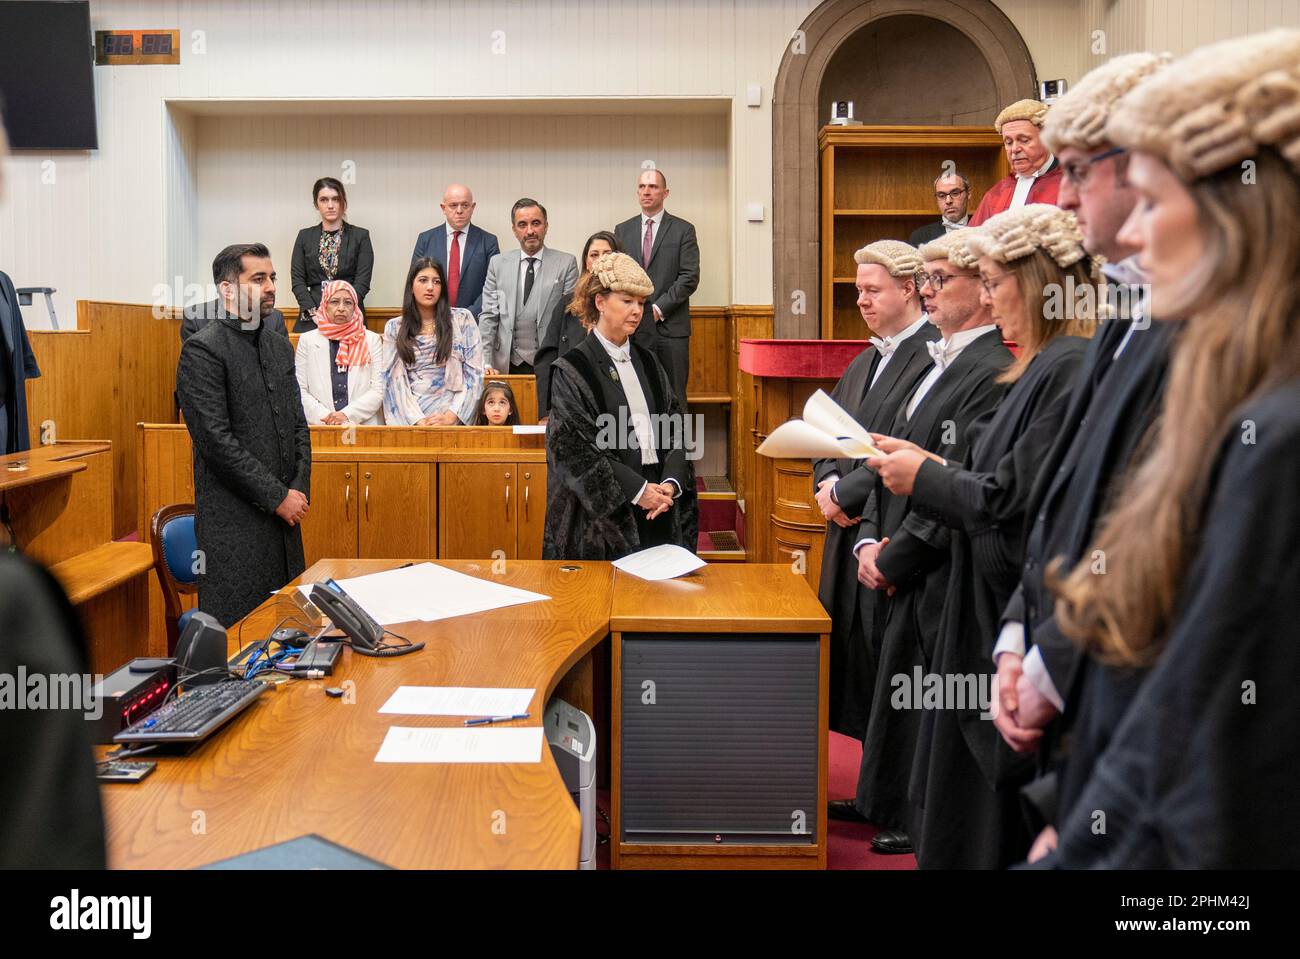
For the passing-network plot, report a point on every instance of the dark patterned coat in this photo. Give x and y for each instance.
(241, 403)
(589, 490)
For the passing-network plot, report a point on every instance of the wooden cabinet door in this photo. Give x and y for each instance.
(329, 530)
(395, 510)
(532, 508)
(477, 506)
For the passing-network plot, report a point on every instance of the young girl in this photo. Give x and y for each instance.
(497, 407)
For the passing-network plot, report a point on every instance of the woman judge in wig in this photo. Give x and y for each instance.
(618, 479)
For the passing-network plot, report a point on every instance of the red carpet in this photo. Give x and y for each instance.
(849, 843)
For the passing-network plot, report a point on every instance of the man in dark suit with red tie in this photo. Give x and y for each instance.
(460, 248)
(667, 250)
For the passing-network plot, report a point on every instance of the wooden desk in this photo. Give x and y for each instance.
(61, 510)
(720, 621)
(298, 762)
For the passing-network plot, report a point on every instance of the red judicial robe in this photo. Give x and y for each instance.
(998, 197)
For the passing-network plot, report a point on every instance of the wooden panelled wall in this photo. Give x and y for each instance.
(118, 369)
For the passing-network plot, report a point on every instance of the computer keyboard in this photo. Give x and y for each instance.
(196, 714)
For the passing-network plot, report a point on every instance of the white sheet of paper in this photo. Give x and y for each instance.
(429, 592)
(530, 429)
(826, 430)
(660, 562)
(461, 744)
(827, 415)
(457, 701)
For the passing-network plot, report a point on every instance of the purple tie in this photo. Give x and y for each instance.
(648, 243)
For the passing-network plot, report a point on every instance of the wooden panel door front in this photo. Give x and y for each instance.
(532, 508)
(329, 530)
(478, 503)
(395, 511)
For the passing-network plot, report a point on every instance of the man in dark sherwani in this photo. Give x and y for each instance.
(252, 449)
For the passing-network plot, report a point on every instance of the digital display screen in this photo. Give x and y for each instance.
(155, 44)
(117, 45)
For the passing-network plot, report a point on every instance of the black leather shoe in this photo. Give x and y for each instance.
(891, 842)
(844, 810)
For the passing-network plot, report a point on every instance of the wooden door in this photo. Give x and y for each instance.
(478, 503)
(395, 511)
(329, 530)
(532, 508)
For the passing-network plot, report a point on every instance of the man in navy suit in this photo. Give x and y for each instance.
(467, 271)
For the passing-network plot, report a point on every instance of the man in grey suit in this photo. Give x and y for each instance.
(952, 194)
(197, 315)
(666, 248)
(460, 248)
(521, 291)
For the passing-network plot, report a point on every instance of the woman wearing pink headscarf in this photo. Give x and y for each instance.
(338, 363)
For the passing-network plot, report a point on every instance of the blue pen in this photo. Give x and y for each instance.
(494, 719)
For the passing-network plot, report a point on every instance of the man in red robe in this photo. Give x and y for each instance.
(1035, 173)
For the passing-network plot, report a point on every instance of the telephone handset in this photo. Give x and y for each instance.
(347, 615)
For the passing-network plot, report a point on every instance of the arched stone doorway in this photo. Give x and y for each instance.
(901, 61)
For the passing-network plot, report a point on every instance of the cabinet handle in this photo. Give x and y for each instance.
(507, 495)
(367, 501)
(527, 487)
(347, 501)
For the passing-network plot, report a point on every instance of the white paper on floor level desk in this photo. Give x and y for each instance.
(430, 592)
(457, 701)
(660, 562)
(461, 744)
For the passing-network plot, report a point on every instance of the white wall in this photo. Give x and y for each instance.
(582, 168)
(107, 225)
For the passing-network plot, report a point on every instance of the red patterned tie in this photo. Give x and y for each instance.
(453, 270)
(648, 243)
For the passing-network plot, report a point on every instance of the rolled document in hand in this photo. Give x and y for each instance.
(826, 430)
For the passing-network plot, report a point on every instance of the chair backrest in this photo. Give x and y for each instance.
(171, 534)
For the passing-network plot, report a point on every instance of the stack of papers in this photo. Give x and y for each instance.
(428, 592)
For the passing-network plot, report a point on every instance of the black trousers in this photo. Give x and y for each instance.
(674, 353)
(521, 369)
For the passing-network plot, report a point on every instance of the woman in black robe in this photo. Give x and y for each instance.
(1186, 754)
(618, 477)
(965, 817)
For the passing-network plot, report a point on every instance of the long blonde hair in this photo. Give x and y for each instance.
(1241, 338)
(1035, 274)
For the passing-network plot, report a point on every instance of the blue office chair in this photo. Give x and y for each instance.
(174, 543)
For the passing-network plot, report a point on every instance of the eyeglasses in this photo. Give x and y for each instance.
(338, 302)
(950, 195)
(996, 281)
(1078, 173)
(458, 206)
(937, 280)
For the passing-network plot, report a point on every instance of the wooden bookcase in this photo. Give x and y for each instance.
(877, 183)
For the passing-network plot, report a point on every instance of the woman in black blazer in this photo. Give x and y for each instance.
(565, 330)
(330, 250)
